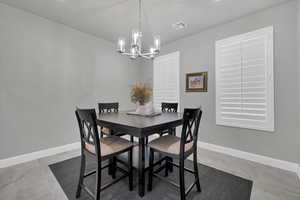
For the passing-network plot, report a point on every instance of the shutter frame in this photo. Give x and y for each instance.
(248, 103)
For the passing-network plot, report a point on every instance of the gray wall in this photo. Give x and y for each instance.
(197, 55)
(46, 69)
(298, 59)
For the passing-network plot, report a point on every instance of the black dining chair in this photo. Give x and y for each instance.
(100, 149)
(167, 108)
(179, 148)
(108, 108)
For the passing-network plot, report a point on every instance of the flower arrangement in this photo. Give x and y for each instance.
(141, 94)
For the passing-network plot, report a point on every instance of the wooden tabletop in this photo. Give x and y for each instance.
(139, 126)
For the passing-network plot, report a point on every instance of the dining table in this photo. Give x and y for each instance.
(140, 127)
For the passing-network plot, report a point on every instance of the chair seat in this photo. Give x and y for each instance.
(169, 144)
(110, 145)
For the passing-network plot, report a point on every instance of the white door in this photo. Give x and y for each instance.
(166, 85)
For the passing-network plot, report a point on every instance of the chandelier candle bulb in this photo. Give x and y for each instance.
(135, 37)
(133, 53)
(152, 52)
(157, 43)
(121, 45)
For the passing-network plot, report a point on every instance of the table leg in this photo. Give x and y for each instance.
(141, 167)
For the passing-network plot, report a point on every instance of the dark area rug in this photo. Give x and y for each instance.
(216, 184)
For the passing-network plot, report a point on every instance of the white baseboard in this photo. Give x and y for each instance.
(38, 154)
(285, 165)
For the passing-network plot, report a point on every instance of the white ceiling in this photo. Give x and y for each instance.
(110, 19)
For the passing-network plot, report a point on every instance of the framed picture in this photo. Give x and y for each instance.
(196, 82)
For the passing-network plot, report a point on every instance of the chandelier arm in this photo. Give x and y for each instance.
(148, 54)
(139, 52)
(127, 54)
(146, 57)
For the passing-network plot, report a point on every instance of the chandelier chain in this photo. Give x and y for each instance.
(140, 15)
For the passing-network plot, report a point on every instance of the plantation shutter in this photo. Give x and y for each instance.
(165, 79)
(244, 80)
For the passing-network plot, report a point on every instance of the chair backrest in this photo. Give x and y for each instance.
(89, 134)
(108, 107)
(190, 127)
(169, 107)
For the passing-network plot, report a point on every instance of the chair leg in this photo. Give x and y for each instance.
(196, 173)
(170, 165)
(101, 133)
(167, 167)
(130, 175)
(150, 178)
(110, 161)
(174, 131)
(114, 167)
(159, 158)
(81, 176)
(171, 132)
(181, 177)
(98, 181)
(146, 141)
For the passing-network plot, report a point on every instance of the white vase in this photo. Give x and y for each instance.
(141, 109)
(145, 109)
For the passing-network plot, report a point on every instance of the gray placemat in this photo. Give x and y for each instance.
(144, 115)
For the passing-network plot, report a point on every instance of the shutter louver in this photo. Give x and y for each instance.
(244, 80)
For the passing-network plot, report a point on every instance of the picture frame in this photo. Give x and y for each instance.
(196, 82)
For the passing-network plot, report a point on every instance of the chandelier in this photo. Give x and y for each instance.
(135, 49)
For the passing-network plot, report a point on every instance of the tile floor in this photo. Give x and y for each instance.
(34, 180)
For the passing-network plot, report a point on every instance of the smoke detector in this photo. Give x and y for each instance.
(179, 25)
